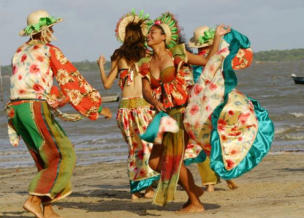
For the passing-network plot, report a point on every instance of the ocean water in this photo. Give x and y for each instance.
(101, 140)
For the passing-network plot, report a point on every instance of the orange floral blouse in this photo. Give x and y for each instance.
(174, 83)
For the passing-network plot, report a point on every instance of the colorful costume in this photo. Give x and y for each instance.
(133, 118)
(172, 90)
(230, 127)
(35, 64)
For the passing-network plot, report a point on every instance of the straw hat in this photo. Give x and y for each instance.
(169, 24)
(123, 22)
(198, 33)
(37, 21)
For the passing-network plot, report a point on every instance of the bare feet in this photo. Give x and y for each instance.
(210, 188)
(149, 192)
(32, 205)
(232, 184)
(135, 196)
(198, 192)
(48, 212)
(192, 208)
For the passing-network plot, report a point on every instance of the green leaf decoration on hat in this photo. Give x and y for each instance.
(208, 34)
(43, 21)
(169, 20)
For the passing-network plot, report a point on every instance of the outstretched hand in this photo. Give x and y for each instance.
(101, 60)
(222, 30)
(106, 112)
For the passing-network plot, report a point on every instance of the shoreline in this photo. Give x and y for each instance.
(275, 188)
(123, 159)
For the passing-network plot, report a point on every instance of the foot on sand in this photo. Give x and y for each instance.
(210, 188)
(232, 184)
(199, 192)
(48, 212)
(33, 208)
(135, 196)
(191, 208)
(149, 194)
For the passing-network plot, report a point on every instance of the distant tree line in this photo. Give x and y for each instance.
(264, 56)
(279, 55)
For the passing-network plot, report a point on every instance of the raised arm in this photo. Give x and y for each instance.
(107, 80)
(147, 93)
(201, 60)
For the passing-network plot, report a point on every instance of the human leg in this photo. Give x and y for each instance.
(51, 150)
(208, 176)
(133, 117)
(33, 205)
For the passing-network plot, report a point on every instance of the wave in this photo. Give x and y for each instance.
(297, 115)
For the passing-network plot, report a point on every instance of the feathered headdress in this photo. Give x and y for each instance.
(171, 28)
(120, 30)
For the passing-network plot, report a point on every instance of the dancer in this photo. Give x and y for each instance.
(232, 128)
(165, 86)
(134, 114)
(202, 40)
(34, 64)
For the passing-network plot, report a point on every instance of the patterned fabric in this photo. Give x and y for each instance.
(208, 176)
(220, 117)
(34, 66)
(160, 124)
(242, 59)
(133, 118)
(171, 160)
(172, 90)
(49, 146)
(126, 76)
(174, 83)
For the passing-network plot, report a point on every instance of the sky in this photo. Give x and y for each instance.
(88, 27)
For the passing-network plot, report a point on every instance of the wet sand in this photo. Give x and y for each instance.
(275, 188)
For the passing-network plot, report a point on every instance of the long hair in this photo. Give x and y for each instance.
(133, 47)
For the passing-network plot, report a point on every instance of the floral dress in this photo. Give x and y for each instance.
(229, 126)
(133, 118)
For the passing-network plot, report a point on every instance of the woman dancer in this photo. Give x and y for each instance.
(35, 63)
(202, 40)
(134, 112)
(165, 86)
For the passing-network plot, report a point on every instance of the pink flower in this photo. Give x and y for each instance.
(194, 109)
(21, 91)
(197, 89)
(140, 155)
(23, 58)
(15, 69)
(243, 118)
(40, 58)
(230, 164)
(34, 68)
(38, 88)
(36, 47)
(213, 86)
(157, 22)
(231, 112)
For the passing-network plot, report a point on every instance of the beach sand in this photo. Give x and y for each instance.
(275, 188)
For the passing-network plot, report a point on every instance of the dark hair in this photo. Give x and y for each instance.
(133, 47)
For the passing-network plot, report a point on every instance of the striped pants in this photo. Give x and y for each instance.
(49, 146)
